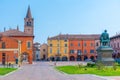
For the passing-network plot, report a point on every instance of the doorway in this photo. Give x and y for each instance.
(3, 58)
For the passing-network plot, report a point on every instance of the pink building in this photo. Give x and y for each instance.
(115, 44)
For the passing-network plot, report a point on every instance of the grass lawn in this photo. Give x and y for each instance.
(107, 71)
(4, 71)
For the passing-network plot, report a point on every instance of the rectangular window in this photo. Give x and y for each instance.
(118, 45)
(91, 51)
(71, 51)
(58, 40)
(28, 44)
(57, 45)
(78, 52)
(85, 44)
(50, 45)
(50, 50)
(65, 40)
(97, 44)
(91, 44)
(114, 45)
(43, 50)
(58, 51)
(71, 44)
(3, 44)
(85, 51)
(65, 51)
(65, 45)
(79, 44)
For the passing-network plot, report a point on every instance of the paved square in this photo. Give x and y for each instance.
(45, 71)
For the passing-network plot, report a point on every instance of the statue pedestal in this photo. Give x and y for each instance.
(105, 55)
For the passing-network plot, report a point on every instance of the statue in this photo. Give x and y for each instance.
(104, 39)
(104, 52)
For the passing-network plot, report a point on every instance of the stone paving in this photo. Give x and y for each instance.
(46, 71)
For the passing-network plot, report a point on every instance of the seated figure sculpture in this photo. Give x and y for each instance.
(104, 39)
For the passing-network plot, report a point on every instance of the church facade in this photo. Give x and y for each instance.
(17, 46)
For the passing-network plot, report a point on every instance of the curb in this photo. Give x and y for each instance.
(102, 77)
(10, 73)
(84, 74)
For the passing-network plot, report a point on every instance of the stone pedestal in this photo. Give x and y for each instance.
(105, 55)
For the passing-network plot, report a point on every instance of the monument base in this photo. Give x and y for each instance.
(105, 56)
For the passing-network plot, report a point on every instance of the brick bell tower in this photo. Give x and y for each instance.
(29, 23)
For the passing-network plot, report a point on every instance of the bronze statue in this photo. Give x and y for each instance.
(104, 39)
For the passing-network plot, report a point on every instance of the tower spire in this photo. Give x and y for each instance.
(29, 23)
(28, 15)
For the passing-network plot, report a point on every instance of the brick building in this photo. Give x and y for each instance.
(17, 45)
(82, 47)
(36, 51)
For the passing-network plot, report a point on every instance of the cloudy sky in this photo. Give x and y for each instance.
(52, 17)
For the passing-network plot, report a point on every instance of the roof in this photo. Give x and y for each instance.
(44, 44)
(36, 43)
(14, 32)
(28, 15)
(116, 36)
(77, 36)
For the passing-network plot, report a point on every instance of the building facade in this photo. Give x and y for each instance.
(73, 47)
(43, 52)
(115, 44)
(58, 48)
(16, 45)
(36, 51)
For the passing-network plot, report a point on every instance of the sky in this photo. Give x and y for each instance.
(52, 17)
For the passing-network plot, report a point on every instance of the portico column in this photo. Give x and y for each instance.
(19, 53)
(82, 58)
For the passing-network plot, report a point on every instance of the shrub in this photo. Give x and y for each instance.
(80, 65)
(114, 66)
(100, 66)
(90, 64)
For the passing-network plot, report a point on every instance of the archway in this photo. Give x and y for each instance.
(92, 58)
(64, 58)
(44, 57)
(4, 58)
(85, 57)
(25, 57)
(78, 58)
(72, 58)
(52, 58)
(57, 59)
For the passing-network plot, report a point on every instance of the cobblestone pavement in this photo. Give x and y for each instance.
(45, 71)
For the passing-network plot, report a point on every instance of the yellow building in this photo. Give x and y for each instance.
(58, 48)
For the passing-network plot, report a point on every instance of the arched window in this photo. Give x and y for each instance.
(28, 23)
(28, 44)
(3, 45)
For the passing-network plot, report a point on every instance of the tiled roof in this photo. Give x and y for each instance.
(36, 43)
(79, 36)
(114, 37)
(14, 32)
